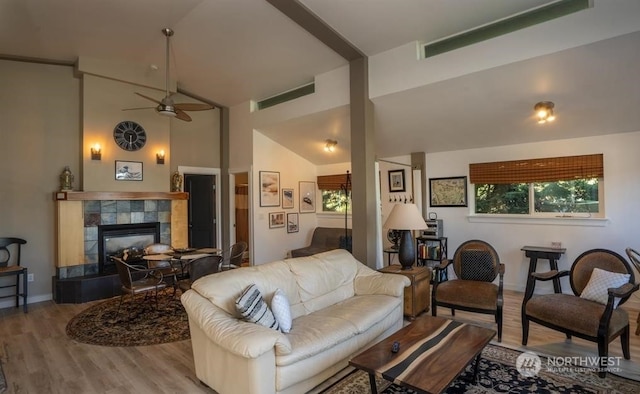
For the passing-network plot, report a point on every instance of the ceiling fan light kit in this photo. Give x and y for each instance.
(166, 106)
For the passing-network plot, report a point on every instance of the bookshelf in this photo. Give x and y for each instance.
(430, 251)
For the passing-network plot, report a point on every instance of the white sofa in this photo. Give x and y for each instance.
(339, 307)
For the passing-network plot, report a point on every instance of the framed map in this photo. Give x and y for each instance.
(448, 192)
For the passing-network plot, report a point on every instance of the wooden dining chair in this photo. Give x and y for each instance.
(10, 266)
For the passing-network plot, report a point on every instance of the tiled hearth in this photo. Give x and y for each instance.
(103, 212)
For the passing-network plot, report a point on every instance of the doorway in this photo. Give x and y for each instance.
(242, 207)
(201, 213)
(203, 206)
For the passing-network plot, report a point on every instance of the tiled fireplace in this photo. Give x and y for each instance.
(82, 217)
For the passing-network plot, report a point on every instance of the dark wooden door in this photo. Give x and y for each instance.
(202, 210)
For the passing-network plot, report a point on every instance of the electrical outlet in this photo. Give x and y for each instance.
(29, 277)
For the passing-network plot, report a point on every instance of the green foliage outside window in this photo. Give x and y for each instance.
(567, 196)
(507, 198)
(335, 201)
(561, 196)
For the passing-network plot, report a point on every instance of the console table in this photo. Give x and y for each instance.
(539, 252)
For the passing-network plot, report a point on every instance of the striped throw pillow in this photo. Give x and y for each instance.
(253, 309)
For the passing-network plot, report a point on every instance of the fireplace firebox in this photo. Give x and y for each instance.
(114, 238)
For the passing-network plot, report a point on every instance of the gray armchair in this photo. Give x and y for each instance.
(323, 239)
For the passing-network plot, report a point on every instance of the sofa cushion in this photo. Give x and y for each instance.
(362, 311)
(253, 309)
(223, 288)
(324, 329)
(324, 279)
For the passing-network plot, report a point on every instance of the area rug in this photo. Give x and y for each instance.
(138, 323)
(3, 380)
(497, 373)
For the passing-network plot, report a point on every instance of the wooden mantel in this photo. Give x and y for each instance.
(101, 196)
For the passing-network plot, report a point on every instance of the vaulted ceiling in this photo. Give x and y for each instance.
(230, 52)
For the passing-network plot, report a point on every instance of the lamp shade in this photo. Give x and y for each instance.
(405, 217)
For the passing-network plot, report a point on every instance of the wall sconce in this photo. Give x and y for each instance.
(330, 145)
(96, 152)
(544, 112)
(160, 157)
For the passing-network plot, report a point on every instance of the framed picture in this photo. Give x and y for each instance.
(307, 196)
(292, 223)
(128, 170)
(276, 219)
(287, 198)
(396, 181)
(448, 192)
(269, 189)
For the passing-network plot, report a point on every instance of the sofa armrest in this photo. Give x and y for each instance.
(368, 281)
(242, 338)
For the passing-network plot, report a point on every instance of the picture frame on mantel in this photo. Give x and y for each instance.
(128, 170)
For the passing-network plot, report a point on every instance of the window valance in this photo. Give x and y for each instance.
(548, 169)
(333, 182)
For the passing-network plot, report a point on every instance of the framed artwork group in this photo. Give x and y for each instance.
(272, 195)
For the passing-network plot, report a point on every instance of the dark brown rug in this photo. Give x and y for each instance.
(497, 373)
(138, 323)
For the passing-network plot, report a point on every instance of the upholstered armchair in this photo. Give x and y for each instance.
(601, 280)
(476, 265)
(634, 256)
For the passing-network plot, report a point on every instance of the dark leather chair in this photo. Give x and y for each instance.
(581, 317)
(634, 256)
(232, 257)
(198, 268)
(138, 279)
(11, 267)
(476, 265)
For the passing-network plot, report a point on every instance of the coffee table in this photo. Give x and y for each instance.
(433, 352)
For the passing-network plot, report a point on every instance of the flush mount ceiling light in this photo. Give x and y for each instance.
(330, 145)
(544, 112)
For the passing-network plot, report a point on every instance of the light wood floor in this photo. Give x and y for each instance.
(37, 357)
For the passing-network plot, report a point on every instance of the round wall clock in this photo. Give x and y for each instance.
(129, 135)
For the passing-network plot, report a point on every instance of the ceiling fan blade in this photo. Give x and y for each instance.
(193, 107)
(148, 98)
(132, 109)
(180, 114)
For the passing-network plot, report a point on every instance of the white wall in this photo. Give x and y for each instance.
(622, 188)
(274, 244)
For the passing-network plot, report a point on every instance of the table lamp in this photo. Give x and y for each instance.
(406, 217)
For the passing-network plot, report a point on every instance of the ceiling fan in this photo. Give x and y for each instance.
(166, 106)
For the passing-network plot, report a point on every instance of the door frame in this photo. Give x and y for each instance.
(232, 206)
(216, 195)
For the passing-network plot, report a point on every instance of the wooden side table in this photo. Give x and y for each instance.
(417, 297)
(540, 252)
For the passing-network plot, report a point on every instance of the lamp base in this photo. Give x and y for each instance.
(406, 253)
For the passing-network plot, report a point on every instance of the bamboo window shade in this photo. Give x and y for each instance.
(548, 169)
(332, 182)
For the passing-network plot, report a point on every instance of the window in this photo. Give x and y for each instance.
(561, 185)
(336, 192)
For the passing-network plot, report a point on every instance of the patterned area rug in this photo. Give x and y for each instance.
(138, 323)
(497, 374)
